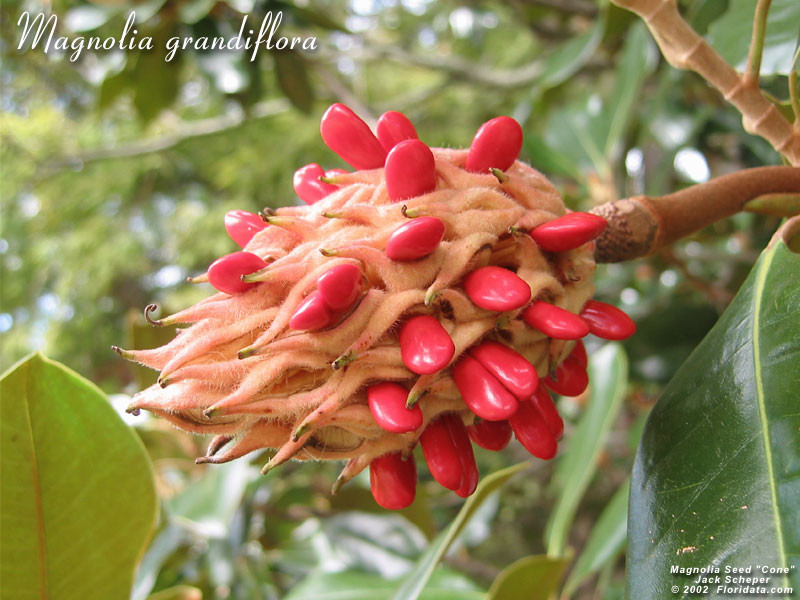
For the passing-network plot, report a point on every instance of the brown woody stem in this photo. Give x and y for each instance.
(685, 49)
(640, 225)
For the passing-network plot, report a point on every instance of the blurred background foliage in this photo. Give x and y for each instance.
(118, 168)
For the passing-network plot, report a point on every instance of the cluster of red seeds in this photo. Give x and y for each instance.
(311, 358)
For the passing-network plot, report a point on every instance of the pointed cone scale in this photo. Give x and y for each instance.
(496, 288)
(547, 408)
(393, 481)
(496, 145)
(339, 287)
(226, 273)
(492, 435)
(312, 314)
(242, 226)
(607, 321)
(469, 469)
(415, 239)
(387, 402)
(441, 455)
(510, 368)
(571, 378)
(532, 432)
(394, 127)
(425, 346)
(482, 393)
(349, 137)
(307, 185)
(410, 171)
(568, 232)
(555, 322)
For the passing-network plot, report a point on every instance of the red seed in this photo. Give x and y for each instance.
(441, 455)
(340, 286)
(410, 171)
(496, 145)
(568, 232)
(482, 393)
(308, 186)
(555, 322)
(532, 432)
(571, 378)
(547, 408)
(394, 127)
(607, 321)
(242, 226)
(415, 239)
(492, 435)
(312, 314)
(469, 469)
(226, 273)
(495, 288)
(393, 481)
(335, 172)
(425, 345)
(387, 402)
(579, 354)
(510, 368)
(347, 135)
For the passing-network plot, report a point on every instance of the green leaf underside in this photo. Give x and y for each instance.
(413, 584)
(532, 577)
(716, 480)
(77, 492)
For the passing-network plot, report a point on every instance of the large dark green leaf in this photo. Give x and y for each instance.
(717, 477)
(77, 488)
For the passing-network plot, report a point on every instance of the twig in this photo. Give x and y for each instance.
(640, 225)
(463, 69)
(753, 68)
(794, 88)
(568, 6)
(685, 49)
(187, 131)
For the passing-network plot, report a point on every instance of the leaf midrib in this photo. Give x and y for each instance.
(762, 409)
(37, 486)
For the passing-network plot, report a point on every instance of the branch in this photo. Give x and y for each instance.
(463, 69)
(640, 225)
(684, 49)
(187, 131)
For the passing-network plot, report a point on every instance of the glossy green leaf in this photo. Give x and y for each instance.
(416, 580)
(207, 504)
(730, 35)
(608, 374)
(605, 542)
(533, 578)
(292, 75)
(639, 58)
(358, 585)
(78, 494)
(570, 56)
(716, 480)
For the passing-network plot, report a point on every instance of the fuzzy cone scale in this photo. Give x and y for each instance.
(239, 372)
